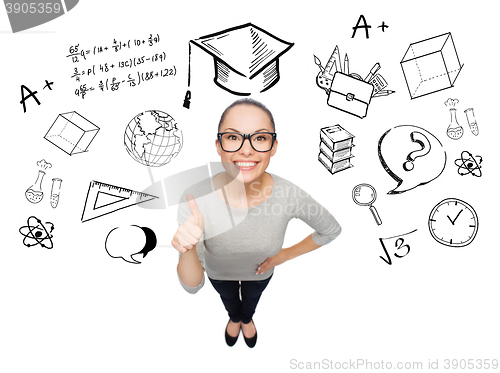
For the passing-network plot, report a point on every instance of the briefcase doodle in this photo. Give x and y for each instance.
(350, 95)
(347, 91)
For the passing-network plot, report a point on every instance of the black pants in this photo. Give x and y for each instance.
(240, 308)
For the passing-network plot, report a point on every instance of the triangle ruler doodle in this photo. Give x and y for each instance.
(103, 199)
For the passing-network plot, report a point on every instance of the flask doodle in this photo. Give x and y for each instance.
(412, 156)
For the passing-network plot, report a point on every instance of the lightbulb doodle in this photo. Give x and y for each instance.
(37, 233)
(412, 156)
(125, 242)
(469, 165)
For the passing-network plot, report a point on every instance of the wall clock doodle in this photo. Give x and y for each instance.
(453, 222)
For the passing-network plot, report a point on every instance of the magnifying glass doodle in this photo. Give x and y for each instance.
(365, 195)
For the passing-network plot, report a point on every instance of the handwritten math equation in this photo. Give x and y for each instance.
(398, 246)
(76, 52)
(118, 70)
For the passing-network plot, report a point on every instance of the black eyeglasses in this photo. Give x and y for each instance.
(233, 141)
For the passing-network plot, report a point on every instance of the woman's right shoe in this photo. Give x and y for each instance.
(230, 340)
(252, 341)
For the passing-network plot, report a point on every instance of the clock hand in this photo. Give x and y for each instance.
(456, 217)
(451, 221)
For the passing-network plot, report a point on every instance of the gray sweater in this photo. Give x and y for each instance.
(236, 241)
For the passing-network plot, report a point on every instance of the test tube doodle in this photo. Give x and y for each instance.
(54, 193)
(471, 119)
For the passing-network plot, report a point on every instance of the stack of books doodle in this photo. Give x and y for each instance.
(335, 148)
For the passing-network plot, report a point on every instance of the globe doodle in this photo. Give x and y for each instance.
(152, 138)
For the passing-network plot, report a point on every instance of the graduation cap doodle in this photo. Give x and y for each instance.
(245, 59)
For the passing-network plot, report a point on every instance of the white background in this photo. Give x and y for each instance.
(75, 309)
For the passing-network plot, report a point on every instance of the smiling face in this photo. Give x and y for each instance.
(250, 164)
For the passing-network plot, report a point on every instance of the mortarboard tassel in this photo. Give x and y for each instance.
(187, 97)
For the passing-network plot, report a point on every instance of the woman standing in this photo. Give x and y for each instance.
(233, 225)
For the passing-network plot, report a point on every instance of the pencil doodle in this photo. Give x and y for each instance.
(34, 193)
(152, 138)
(246, 59)
(399, 243)
(335, 148)
(431, 65)
(72, 133)
(412, 156)
(36, 233)
(103, 199)
(365, 195)
(348, 91)
(468, 164)
(453, 222)
(125, 242)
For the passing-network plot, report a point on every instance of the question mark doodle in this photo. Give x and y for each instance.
(423, 141)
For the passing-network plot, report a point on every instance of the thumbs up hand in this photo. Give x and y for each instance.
(188, 234)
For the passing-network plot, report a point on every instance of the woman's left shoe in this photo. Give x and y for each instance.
(252, 340)
(230, 341)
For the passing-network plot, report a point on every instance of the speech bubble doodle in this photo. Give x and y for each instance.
(125, 242)
(411, 155)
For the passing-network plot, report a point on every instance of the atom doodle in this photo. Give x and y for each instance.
(36, 233)
(468, 164)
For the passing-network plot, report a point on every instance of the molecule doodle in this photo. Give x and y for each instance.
(36, 233)
(467, 164)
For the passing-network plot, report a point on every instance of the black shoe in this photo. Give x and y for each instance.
(252, 341)
(230, 340)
